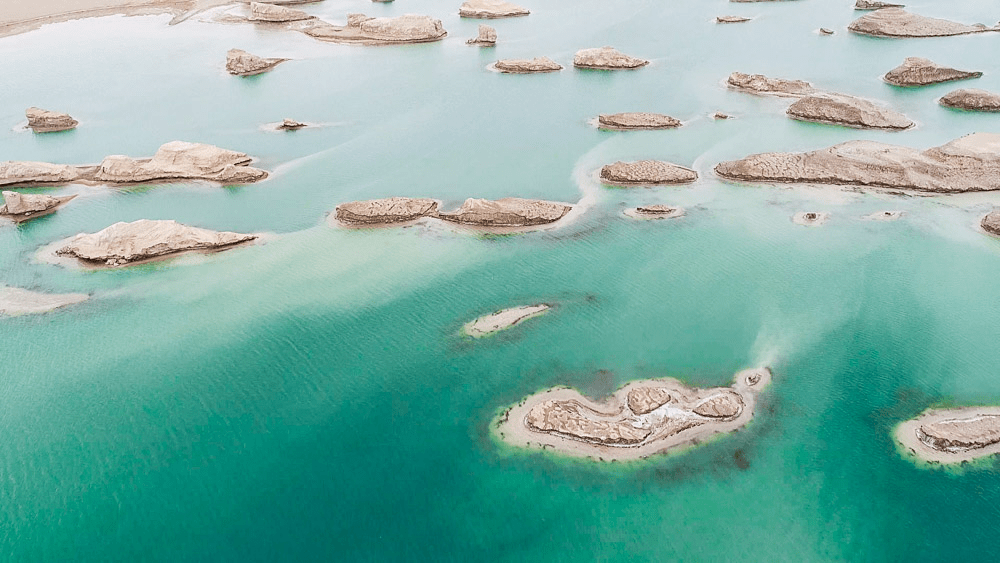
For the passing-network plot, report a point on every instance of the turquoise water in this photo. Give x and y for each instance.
(310, 398)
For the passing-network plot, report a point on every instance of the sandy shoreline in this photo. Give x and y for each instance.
(906, 434)
(20, 16)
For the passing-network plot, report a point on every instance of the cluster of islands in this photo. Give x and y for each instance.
(644, 417)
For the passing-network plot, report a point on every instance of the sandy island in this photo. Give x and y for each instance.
(952, 435)
(18, 16)
(641, 419)
(503, 319)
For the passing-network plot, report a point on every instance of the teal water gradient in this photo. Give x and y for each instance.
(310, 398)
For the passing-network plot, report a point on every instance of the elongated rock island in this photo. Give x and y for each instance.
(388, 211)
(840, 109)
(503, 319)
(606, 58)
(23, 207)
(655, 211)
(897, 22)
(641, 419)
(16, 301)
(972, 99)
(967, 164)
(917, 71)
(366, 30)
(242, 63)
(527, 66)
(952, 435)
(507, 212)
(870, 5)
(646, 173)
(991, 222)
(636, 120)
(45, 121)
(270, 13)
(491, 9)
(764, 86)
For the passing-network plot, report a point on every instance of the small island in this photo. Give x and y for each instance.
(505, 215)
(527, 66)
(366, 30)
(646, 173)
(873, 5)
(810, 218)
(45, 121)
(387, 211)
(731, 19)
(897, 22)
(487, 37)
(630, 121)
(917, 71)
(272, 13)
(847, 111)
(606, 58)
(24, 207)
(656, 211)
(242, 63)
(972, 99)
(489, 9)
(503, 319)
(952, 435)
(763, 86)
(991, 222)
(639, 420)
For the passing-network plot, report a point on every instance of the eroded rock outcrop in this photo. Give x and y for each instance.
(655, 211)
(45, 121)
(527, 66)
(386, 211)
(241, 63)
(125, 243)
(507, 212)
(952, 435)
(896, 22)
(968, 164)
(291, 125)
(17, 301)
(762, 85)
(972, 99)
(487, 37)
(637, 120)
(606, 58)
(262, 12)
(365, 30)
(21, 207)
(991, 222)
(179, 160)
(810, 218)
(731, 19)
(870, 5)
(24, 173)
(848, 111)
(503, 319)
(491, 9)
(646, 173)
(917, 71)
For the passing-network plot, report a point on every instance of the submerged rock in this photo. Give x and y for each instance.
(487, 37)
(646, 173)
(241, 63)
(637, 120)
(261, 12)
(45, 121)
(968, 164)
(22, 207)
(409, 28)
(507, 212)
(124, 243)
(870, 5)
(17, 301)
(24, 173)
(849, 111)
(991, 222)
(491, 9)
(502, 320)
(972, 100)
(385, 211)
(606, 58)
(896, 22)
(720, 115)
(179, 160)
(527, 66)
(810, 218)
(762, 85)
(731, 19)
(884, 216)
(917, 71)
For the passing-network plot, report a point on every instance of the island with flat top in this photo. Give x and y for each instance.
(952, 435)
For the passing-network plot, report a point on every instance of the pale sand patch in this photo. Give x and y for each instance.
(17, 301)
(18, 16)
(503, 319)
(906, 434)
(884, 216)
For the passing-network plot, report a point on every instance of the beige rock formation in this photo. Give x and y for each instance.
(896, 22)
(126, 243)
(637, 120)
(17, 301)
(507, 212)
(917, 71)
(241, 63)
(487, 37)
(179, 160)
(503, 319)
(527, 66)
(45, 121)
(21, 207)
(22, 173)
(646, 173)
(657, 211)
(291, 125)
(810, 218)
(731, 19)
(972, 99)
(720, 115)
(491, 9)
(991, 222)
(262, 12)
(968, 164)
(870, 5)
(840, 109)
(646, 399)
(606, 58)
(385, 211)
(825, 31)
(367, 30)
(762, 85)
(952, 435)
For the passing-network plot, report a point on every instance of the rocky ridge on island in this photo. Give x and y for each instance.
(896, 22)
(242, 63)
(45, 121)
(16, 301)
(656, 211)
(952, 435)
(503, 319)
(917, 71)
(731, 19)
(606, 58)
(972, 99)
(487, 37)
(762, 85)
(636, 120)
(527, 66)
(506, 212)
(967, 164)
(386, 211)
(870, 5)
(641, 419)
(139, 241)
(646, 173)
(176, 160)
(23, 207)
(270, 13)
(840, 109)
(366, 30)
(489, 9)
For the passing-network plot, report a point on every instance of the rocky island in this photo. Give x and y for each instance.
(840, 109)
(24, 207)
(606, 58)
(810, 218)
(952, 435)
(896, 22)
(365, 30)
(527, 66)
(871, 5)
(991, 222)
(503, 319)
(507, 212)
(490, 9)
(290, 125)
(917, 71)
(45, 121)
(641, 419)
(762, 85)
(968, 164)
(731, 19)
(657, 211)
(388, 211)
(636, 120)
(26, 173)
(972, 99)
(16, 301)
(144, 240)
(241, 63)
(487, 37)
(646, 173)
(271, 13)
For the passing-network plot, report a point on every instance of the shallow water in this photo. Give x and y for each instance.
(310, 398)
